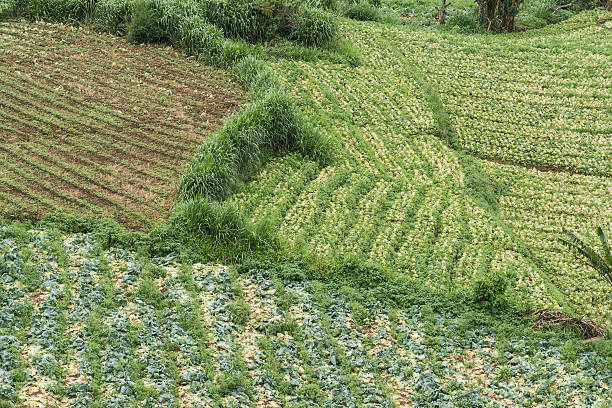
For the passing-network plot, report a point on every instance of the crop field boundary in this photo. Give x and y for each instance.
(270, 125)
(483, 191)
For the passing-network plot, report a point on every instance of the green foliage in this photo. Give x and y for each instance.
(222, 222)
(168, 20)
(150, 294)
(112, 16)
(362, 10)
(533, 21)
(146, 24)
(7, 9)
(464, 20)
(268, 126)
(313, 26)
(498, 15)
(602, 263)
(66, 11)
(479, 186)
(247, 20)
(108, 232)
(201, 38)
(489, 289)
(240, 312)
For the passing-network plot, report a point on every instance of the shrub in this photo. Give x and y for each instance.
(312, 26)
(239, 312)
(533, 21)
(464, 20)
(146, 25)
(242, 19)
(363, 11)
(489, 290)
(200, 38)
(112, 16)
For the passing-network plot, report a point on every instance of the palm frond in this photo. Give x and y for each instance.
(604, 243)
(600, 263)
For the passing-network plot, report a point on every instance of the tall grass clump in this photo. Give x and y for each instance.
(362, 10)
(7, 8)
(146, 25)
(113, 16)
(65, 11)
(223, 222)
(203, 39)
(313, 26)
(243, 19)
(268, 126)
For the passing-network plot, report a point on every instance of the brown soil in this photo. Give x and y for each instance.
(119, 122)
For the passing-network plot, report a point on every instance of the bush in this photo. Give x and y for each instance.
(464, 20)
(312, 26)
(146, 24)
(363, 11)
(269, 125)
(200, 38)
(489, 291)
(243, 19)
(112, 16)
(239, 312)
(533, 21)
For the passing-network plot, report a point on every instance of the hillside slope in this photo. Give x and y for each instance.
(400, 196)
(93, 125)
(84, 327)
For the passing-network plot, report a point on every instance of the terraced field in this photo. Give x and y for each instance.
(82, 327)
(93, 125)
(400, 197)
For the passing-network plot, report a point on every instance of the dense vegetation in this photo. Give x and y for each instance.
(400, 197)
(390, 200)
(82, 326)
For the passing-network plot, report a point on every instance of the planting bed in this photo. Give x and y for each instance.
(398, 195)
(93, 125)
(84, 327)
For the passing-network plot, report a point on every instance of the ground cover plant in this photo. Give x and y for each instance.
(84, 325)
(91, 124)
(392, 221)
(405, 192)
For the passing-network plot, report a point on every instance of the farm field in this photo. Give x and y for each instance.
(400, 197)
(115, 329)
(368, 213)
(93, 125)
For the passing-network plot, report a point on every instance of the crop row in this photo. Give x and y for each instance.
(93, 125)
(395, 196)
(510, 99)
(81, 326)
(539, 205)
